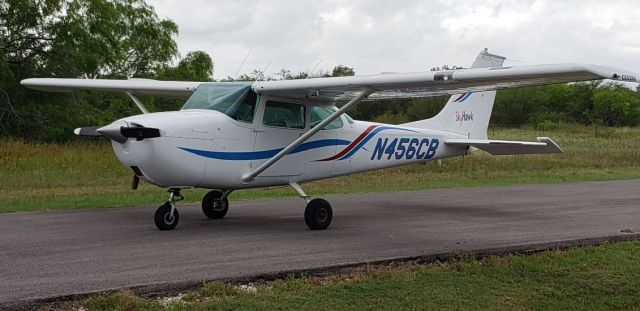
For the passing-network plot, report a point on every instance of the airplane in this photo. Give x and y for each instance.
(238, 135)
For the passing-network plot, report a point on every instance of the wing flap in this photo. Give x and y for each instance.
(544, 145)
(167, 89)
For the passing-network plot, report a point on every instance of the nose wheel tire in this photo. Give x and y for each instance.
(164, 219)
(214, 206)
(318, 214)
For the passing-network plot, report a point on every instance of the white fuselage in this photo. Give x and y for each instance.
(207, 149)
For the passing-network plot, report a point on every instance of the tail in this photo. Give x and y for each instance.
(467, 113)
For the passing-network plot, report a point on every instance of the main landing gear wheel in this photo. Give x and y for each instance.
(318, 214)
(215, 204)
(165, 219)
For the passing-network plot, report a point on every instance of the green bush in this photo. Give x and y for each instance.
(547, 125)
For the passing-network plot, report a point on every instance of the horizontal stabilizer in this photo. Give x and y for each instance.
(544, 145)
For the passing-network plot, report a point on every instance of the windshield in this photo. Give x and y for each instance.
(236, 100)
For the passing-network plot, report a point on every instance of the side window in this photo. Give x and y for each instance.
(320, 113)
(349, 119)
(283, 115)
(245, 110)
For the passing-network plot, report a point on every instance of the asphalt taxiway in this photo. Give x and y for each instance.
(48, 254)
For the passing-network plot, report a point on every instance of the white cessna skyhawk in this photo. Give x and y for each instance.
(232, 135)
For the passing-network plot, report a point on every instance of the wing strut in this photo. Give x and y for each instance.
(250, 176)
(138, 103)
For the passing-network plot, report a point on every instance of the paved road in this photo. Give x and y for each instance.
(44, 254)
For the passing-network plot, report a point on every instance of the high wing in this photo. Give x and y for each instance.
(391, 85)
(166, 89)
(437, 83)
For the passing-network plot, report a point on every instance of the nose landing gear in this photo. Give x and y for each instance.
(167, 216)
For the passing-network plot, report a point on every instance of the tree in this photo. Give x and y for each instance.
(92, 38)
(342, 71)
(615, 105)
(196, 66)
(74, 38)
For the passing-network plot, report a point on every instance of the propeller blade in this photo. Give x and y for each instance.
(113, 133)
(118, 133)
(91, 131)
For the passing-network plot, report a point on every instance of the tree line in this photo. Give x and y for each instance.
(121, 39)
(589, 103)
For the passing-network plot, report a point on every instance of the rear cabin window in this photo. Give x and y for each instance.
(285, 115)
(320, 113)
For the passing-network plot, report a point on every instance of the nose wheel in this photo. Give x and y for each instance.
(167, 216)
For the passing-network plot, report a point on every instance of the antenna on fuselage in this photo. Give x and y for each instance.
(264, 70)
(241, 64)
(314, 68)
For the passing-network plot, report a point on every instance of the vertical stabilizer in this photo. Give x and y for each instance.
(468, 113)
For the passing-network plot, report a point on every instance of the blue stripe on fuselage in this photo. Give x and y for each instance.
(257, 155)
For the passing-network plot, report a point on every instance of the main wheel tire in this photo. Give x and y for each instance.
(163, 218)
(318, 214)
(214, 207)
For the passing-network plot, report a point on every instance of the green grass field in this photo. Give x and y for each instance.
(603, 277)
(87, 174)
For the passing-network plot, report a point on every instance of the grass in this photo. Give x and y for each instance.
(605, 277)
(87, 174)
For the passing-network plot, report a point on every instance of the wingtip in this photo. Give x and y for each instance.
(26, 82)
(551, 143)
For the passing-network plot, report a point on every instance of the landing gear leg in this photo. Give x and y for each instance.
(318, 213)
(167, 216)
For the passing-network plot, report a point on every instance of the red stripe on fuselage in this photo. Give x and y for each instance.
(460, 97)
(353, 144)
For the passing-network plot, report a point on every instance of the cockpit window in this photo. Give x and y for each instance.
(319, 113)
(236, 100)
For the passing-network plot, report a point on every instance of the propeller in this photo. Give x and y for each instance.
(119, 134)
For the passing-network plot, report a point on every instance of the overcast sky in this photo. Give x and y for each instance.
(374, 36)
